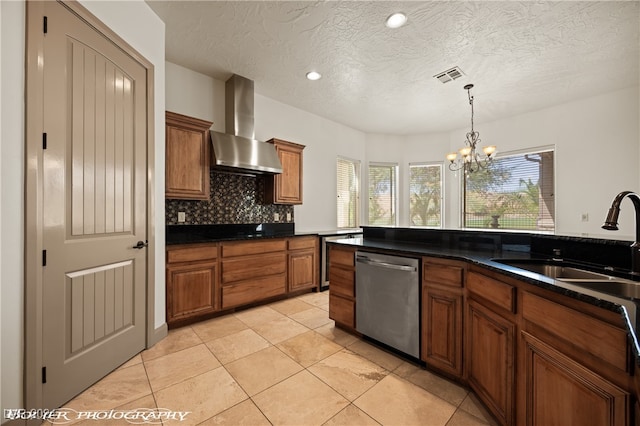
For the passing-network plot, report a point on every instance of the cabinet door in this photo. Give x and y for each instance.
(187, 157)
(191, 290)
(559, 391)
(286, 187)
(489, 359)
(442, 330)
(302, 269)
(342, 311)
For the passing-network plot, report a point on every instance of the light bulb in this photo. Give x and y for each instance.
(465, 151)
(452, 157)
(488, 150)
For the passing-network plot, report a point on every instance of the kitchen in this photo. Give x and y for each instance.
(587, 126)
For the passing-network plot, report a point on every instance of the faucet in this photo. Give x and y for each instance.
(611, 224)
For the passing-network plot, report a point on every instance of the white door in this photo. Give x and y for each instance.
(94, 205)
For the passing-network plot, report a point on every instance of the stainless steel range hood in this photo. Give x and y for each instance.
(237, 150)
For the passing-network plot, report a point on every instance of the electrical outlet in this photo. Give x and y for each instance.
(288, 217)
(276, 217)
(181, 217)
(584, 217)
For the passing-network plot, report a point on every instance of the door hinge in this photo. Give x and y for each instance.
(44, 374)
(44, 258)
(44, 141)
(44, 25)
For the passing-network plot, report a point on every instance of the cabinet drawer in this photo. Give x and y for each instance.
(342, 281)
(340, 256)
(302, 243)
(245, 292)
(603, 340)
(342, 310)
(253, 267)
(244, 248)
(494, 291)
(434, 273)
(192, 254)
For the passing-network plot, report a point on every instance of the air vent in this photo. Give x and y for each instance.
(449, 75)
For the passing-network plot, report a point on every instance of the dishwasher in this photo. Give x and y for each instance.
(388, 300)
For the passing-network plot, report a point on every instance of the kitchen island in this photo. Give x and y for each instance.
(536, 350)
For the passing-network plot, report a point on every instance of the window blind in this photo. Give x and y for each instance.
(425, 195)
(348, 192)
(382, 194)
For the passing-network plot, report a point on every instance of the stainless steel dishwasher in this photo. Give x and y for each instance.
(388, 300)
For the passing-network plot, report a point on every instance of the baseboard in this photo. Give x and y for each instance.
(157, 335)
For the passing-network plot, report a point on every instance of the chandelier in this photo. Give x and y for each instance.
(470, 160)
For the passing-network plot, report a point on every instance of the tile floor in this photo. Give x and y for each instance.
(283, 364)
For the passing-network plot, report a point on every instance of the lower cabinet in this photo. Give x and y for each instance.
(489, 359)
(191, 282)
(342, 279)
(560, 391)
(302, 259)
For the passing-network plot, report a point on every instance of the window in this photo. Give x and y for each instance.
(515, 192)
(425, 195)
(382, 194)
(348, 178)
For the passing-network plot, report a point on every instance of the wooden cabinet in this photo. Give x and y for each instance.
(442, 308)
(342, 276)
(489, 359)
(192, 282)
(286, 187)
(560, 391)
(302, 259)
(252, 271)
(490, 339)
(187, 157)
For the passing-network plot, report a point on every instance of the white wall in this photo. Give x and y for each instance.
(597, 143)
(197, 95)
(144, 31)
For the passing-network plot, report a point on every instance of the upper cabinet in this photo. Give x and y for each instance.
(187, 157)
(286, 188)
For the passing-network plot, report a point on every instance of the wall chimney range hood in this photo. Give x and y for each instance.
(237, 150)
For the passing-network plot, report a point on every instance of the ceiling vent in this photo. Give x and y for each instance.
(449, 75)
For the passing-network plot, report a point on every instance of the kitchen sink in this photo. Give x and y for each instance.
(576, 276)
(554, 270)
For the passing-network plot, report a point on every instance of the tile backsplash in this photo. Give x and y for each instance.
(234, 199)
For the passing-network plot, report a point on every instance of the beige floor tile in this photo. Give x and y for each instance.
(244, 414)
(312, 318)
(473, 406)
(439, 386)
(118, 388)
(176, 340)
(309, 348)
(218, 327)
(262, 369)
(351, 416)
(373, 353)
(204, 395)
(462, 418)
(348, 373)
(279, 330)
(324, 307)
(259, 315)
(396, 401)
(341, 337)
(238, 345)
(133, 361)
(178, 366)
(290, 306)
(316, 299)
(300, 400)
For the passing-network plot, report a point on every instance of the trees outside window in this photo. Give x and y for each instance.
(383, 194)
(425, 195)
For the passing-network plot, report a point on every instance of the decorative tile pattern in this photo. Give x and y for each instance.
(234, 199)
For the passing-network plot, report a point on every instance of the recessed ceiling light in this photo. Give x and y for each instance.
(313, 75)
(396, 20)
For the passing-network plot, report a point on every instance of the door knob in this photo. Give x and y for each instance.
(141, 245)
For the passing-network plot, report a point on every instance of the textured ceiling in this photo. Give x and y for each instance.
(521, 55)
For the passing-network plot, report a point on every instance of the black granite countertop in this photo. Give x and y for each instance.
(192, 234)
(487, 255)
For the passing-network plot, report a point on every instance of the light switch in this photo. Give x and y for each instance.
(181, 217)
(276, 217)
(288, 217)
